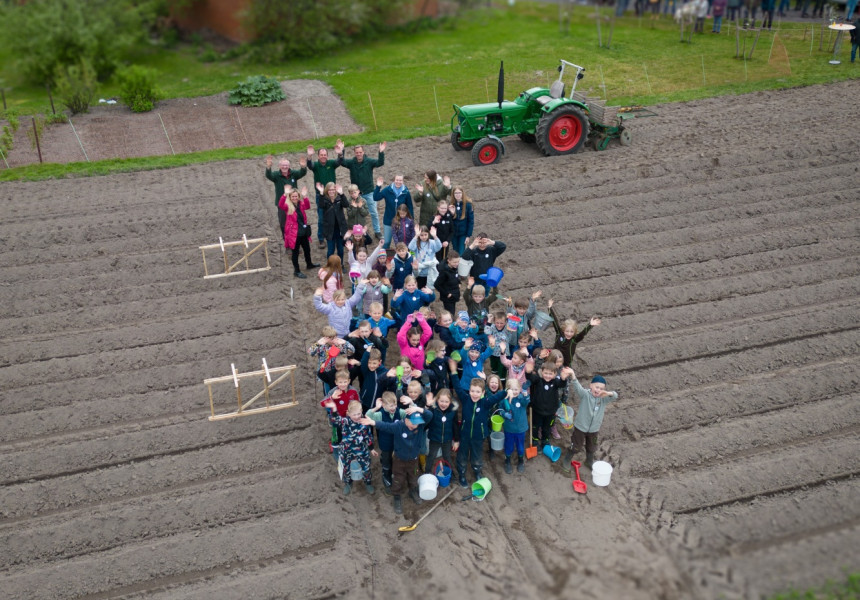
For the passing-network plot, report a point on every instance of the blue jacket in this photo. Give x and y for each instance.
(518, 408)
(476, 415)
(407, 303)
(370, 386)
(407, 442)
(463, 227)
(470, 367)
(400, 270)
(385, 439)
(445, 427)
(435, 375)
(392, 201)
(450, 342)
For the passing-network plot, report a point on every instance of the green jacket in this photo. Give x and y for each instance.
(361, 173)
(324, 174)
(429, 201)
(281, 182)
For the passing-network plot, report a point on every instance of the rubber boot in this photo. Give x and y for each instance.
(347, 488)
(565, 464)
(299, 274)
(398, 505)
(478, 474)
(589, 459)
(554, 432)
(422, 462)
(508, 468)
(462, 481)
(413, 493)
(521, 466)
(369, 487)
(490, 454)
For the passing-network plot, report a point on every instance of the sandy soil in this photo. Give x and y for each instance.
(721, 249)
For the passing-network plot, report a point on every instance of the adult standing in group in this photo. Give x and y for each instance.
(334, 220)
(464, 218)
(282, 178)
(324, 173)
(719, 8)
(483, 253)
(435, 188)
(394, 195)
(361, 174)
(297, 232)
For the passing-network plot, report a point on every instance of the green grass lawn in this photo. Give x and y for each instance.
(402, 85)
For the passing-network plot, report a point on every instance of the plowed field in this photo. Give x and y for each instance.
(721, 250)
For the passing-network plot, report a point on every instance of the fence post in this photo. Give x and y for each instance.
(36, 137)
(51, 98)
(372, 112)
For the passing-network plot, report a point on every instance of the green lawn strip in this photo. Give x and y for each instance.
(849, 589)
(403, 85)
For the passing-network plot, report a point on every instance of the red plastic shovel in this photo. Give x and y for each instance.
(578, 484)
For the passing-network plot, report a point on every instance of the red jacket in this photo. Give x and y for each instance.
(291, 227)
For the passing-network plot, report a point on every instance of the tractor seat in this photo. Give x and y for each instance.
(556, 90)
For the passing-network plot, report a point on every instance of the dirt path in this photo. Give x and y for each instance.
(722, 256)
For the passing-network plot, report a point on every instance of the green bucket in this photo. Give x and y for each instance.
(496, 422)
(481, 488)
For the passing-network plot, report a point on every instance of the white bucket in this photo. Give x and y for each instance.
(464, 267)
(601, 473)
(427, 485)
(355, 471)
(497, 440)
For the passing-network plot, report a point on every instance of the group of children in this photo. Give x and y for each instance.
(454, 371)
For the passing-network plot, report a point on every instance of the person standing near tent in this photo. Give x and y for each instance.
(361, 174)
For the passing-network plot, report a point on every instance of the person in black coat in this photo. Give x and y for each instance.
(483, 252)
(333, 203)
(448, 282)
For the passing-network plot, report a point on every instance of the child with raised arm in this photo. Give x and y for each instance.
(386, 411)
(434, 376)
(544, 398)
(476, 409)
(339, 312)
(589, 417)
(516, 365)
(373, 290)
(444, 429)
(566, 336)
(410, 299)
(340, 395)
(408, 435)
(423, 248)
(327, 348)
(356, 443)
(515, 412)
(360, 262)
(364, 338)
(372, 371)
(412, 337)
(473, 363)
(478, 300)
(401, 267)
(443, 223)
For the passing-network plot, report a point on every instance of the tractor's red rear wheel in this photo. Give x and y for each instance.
(460, 145)
(486, 152)
(562, 131)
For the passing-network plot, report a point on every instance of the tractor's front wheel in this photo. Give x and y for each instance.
(486, 151)
(458, 145)
(562, 131)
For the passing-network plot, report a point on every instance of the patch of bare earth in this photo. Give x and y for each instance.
(721, 249)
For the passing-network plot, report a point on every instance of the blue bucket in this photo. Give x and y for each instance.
(443, 472)
(552, 452)
(493, 276)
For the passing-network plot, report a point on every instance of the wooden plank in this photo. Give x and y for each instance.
(267, 388)
(253, 411)
(244, 258)
(237, 273)
(228, 244)
(272, 370)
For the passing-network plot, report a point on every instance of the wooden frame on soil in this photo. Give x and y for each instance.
(228, 268)
(266, 373)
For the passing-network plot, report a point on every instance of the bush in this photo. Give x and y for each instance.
(50, 33)
(75, 86)
(7, 137)
(137, 88)
(286, 30)
(257, 91)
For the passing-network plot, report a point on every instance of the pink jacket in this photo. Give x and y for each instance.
(414, 353)
(291, 227)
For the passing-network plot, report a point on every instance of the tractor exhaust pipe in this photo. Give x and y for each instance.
(501, 93)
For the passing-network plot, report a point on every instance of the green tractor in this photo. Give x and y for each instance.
(558, 124)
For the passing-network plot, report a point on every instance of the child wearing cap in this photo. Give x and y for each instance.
(356, 443)
(464, 328)
(473, 362)
(589, 418)
(408, 434)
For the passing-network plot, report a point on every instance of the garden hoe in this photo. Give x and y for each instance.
(425, 515)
